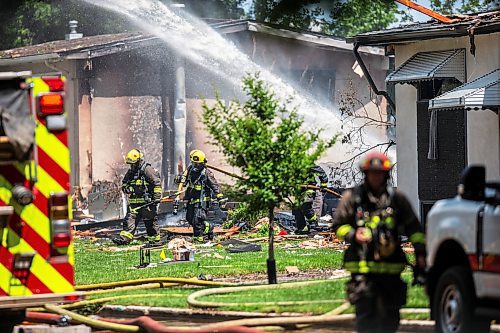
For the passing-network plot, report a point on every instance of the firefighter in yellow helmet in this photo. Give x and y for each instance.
(142, 184)
(200, 183)
(371, 217)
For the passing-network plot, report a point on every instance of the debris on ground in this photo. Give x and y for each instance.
(292, 270)
(180, 243)
(309, 274)
(238, 246)
(262, 227)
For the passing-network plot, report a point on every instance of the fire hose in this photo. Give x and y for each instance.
(168, 198)
(242, 178)
(151, 326)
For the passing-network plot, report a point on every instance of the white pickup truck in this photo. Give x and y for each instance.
(463, 244)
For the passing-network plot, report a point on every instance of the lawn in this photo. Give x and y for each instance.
(94, 265)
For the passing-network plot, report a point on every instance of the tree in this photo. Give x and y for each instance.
(337, 17)
(448, 7)
(27, 22)
(264, 139)
(361, 116)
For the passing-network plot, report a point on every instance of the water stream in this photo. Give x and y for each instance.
(200, 44)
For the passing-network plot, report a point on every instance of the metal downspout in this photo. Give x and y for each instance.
(180, 114)
(369, 78)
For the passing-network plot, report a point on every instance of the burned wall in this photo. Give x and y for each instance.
(121, 99)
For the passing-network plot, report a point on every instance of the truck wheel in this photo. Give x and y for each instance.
(453, 303)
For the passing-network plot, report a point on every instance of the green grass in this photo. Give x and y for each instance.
(94, 265)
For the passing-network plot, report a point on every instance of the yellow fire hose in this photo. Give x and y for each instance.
(92, 322)
(274, 323)
(108, 285)
(193, 298)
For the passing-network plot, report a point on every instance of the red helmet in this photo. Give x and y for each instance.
(376, 161)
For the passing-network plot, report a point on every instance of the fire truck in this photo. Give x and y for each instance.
(36, 250)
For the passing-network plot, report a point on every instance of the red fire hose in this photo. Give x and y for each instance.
(146, 323)
(152, 326)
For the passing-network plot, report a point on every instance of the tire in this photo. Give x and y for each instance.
(453, 303)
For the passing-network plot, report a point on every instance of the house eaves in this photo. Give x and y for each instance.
(476, 24)
(81, 48)
(310, 38)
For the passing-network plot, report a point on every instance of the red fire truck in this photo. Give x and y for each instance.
(36, 250)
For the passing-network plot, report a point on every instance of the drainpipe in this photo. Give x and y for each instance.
(180, 114)
(369, 78)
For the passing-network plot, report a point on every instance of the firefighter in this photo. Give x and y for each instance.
(200, 183)
(305, 216)
(370, 218)
(142, 184)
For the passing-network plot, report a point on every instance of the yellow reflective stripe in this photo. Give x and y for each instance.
(196, 187)
(37, 220)
(139, 182)
(157, 190)
(374, 267)
(343, 230)
(310, 191)
(220, 195)
(49, 276)
(136, 200)
(363, 267)
(7, 279)
(313, 218)
(417, 238)
(324, 184)
(43, 270)
(46, 184)
(52, 147)
(390, 222)
(39, 86)
(126, 234)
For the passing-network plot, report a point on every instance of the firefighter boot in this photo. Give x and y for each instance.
(153, 241)
(197, 239)
(124, 238)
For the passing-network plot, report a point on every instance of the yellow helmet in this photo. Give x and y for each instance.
(133, 156)
(197, 156)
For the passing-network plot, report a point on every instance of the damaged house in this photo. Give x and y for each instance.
(133, 90)
(447, 96)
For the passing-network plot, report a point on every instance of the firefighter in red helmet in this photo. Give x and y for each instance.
(370, 218)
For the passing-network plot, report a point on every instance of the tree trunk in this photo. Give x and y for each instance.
(271, 263)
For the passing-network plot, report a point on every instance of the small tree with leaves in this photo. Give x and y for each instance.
(264, 139)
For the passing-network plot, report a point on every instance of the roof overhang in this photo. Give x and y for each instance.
(479, 94)
(29, 59)
(425, 66)
(430, 30)
(314, 39)
(82, 51)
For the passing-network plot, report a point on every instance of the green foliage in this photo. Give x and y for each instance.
(243, 213)
(215, 9)
(463, 6)
(26, 22)
(348, 18)
(263, 138)
(337, 17)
